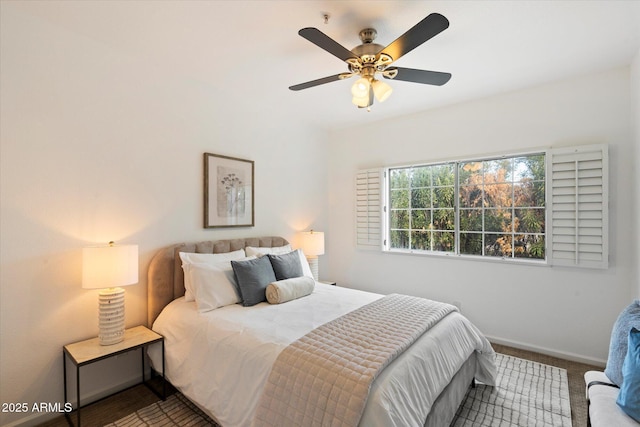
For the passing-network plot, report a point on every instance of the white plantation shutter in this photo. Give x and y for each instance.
(369, 196)
(577, 197)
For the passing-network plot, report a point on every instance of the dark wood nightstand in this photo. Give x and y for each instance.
(328, 282)
(90, 351)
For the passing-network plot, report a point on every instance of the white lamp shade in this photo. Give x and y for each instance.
(313, 243)
(361, 102)
(109, 266)
(381, 90)
(360, 88)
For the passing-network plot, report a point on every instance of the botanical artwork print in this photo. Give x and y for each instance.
(231, 183)
(228, 192)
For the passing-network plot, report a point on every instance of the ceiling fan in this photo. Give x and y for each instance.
(370, 59)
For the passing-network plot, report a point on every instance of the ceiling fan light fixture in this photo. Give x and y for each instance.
(360, 101)
(365, 101)
(370, 59)
(381, 90)
(360, 88)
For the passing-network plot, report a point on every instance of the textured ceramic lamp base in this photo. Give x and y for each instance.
(111, 316)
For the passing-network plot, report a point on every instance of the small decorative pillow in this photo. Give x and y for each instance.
(289, 289)
(190, 258)
(213, 285)
(629, 396)
(286, 266)
(252, 277)
(629, 318)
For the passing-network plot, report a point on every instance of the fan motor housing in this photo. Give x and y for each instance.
(367, 49)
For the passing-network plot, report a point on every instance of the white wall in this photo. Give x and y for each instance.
(557, 310)
(97, 145)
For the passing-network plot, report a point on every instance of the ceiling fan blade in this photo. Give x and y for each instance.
(325, 42)
(319, 82)
(417, 76)
(429, 27)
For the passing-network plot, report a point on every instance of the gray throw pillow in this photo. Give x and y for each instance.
(629, 318)
(253, 276)
(286, 266)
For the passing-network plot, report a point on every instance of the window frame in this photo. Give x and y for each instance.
(576, 204)
(455, 165)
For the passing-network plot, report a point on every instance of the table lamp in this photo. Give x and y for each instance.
(312, 246)
(108, 268)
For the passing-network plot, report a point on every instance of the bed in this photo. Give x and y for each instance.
(222, 359)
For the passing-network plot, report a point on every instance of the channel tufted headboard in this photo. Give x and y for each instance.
(166, 279)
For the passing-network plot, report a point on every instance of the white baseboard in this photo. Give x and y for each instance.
(549, 352)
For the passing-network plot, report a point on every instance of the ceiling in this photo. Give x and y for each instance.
(249, 51)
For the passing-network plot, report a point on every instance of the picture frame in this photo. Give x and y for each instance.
(228, 191)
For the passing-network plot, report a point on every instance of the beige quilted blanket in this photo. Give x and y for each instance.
(323, 379)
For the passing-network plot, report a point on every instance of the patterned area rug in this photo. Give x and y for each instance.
(528, 394)
(176, 411)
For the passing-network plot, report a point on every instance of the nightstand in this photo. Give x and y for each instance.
(86, 352)
(328, 282)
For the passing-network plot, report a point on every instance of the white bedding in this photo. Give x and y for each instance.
(221, 359)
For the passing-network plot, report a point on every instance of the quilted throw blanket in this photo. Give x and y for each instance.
(323, 379)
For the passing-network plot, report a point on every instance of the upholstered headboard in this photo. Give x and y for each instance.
(166, 279)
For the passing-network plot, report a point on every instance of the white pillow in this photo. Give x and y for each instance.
(306, 270)
(191, 258)
(213, 285)
(278, 250)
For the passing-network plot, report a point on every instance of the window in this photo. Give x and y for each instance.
(492, 208)
(422, 208)
(546, 206)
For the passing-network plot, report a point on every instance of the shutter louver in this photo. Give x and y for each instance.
(369, 209)
(578, 207)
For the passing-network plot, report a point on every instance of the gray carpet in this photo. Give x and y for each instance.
(527, 394)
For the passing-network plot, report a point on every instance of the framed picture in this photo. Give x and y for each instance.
(228, 192)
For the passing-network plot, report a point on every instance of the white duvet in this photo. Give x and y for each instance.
(221, 359)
